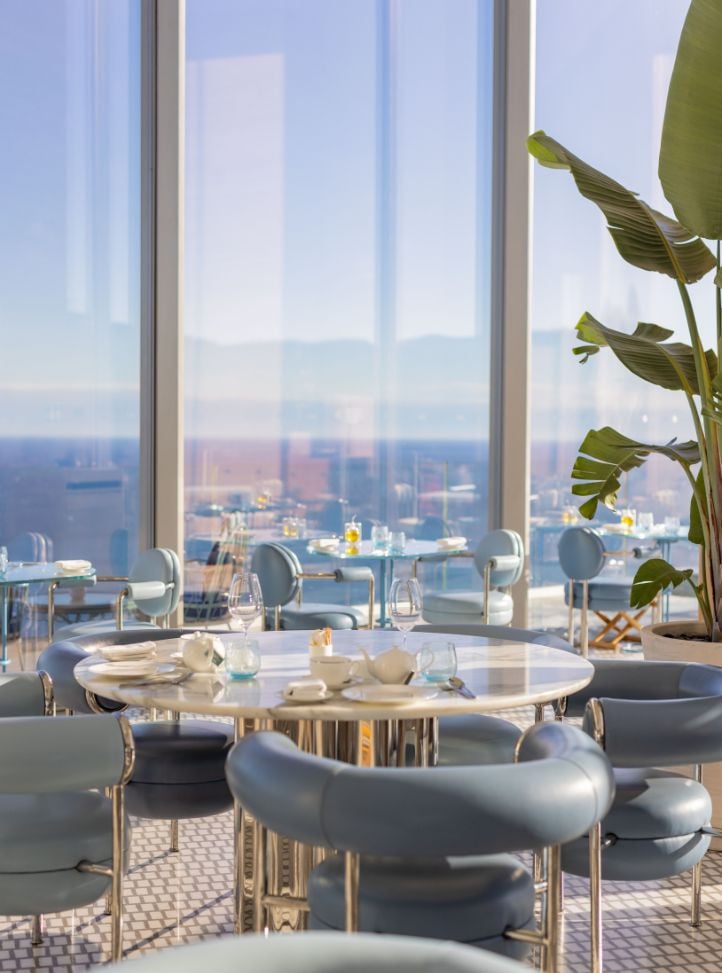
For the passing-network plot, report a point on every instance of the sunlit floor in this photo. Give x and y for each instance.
(180, 898)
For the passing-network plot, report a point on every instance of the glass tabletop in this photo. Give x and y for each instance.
(366, 551)
(30, 572)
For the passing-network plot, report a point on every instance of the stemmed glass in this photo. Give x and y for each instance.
(245, 600)
(405, 604)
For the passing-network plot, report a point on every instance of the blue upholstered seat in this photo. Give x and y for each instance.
(154, 585)
(322, 953)
(499, 559)
(429, 839)
(179, 768)
(281, 576)
(651, 715)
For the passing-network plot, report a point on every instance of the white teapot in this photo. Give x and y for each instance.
(392, 666)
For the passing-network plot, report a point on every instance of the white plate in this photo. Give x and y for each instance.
(389, 695)
(127, 653)
(451, 543)
(131, 669)
(308, 700)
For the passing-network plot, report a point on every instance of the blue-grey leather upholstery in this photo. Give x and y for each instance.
(321, 953)
(279, 572)
(154, 584)
(505, 551)
(475, 738)
(22, 694)
(180, 766)
(180, 769)
(53, 814)
(581, 556)
(656, 714)
(563, 785)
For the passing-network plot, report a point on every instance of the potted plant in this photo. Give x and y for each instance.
(690, 170)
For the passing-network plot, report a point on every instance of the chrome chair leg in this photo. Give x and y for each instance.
(36, 933)
(108, 910)
(174, 836)
(116, 882)
(352, 870)
(696, 911)
(551, 932)
(595, 896)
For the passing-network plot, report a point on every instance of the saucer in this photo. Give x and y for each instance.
(301, 699)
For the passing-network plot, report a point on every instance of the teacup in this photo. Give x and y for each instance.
(335, 670)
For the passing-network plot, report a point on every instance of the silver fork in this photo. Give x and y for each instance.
(170, 679)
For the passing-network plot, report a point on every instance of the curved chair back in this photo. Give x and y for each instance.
(500, 543)
(505, 632)
(581, 553)
(25, 694)
(158, 564)
(562, 787)
(278, 570)
(30, 546)
(60, 659)
(325, 952)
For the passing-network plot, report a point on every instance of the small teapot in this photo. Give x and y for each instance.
(392, 666)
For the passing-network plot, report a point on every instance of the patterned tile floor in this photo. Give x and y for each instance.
(179, 898)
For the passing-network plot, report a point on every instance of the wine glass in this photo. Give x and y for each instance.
(405, 604)
(245, 600)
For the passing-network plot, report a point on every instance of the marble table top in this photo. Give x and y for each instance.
(502, 674)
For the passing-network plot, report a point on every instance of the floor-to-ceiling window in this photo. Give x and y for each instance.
(603, 96)
(338, 221)
(70, 279)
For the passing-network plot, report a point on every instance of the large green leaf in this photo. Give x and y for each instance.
(690, 160)
(644, 353)
(695, 534)
(606, 454)
(643, 236)
(654, 576)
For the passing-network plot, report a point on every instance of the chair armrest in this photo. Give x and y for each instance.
(142, 590)
(112, 577)
(354, 574)
(88, 582)
(645, 550)
(25, 694)
(40, 756)
(504, 562)
(442, 556)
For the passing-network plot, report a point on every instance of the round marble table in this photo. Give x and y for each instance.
(502, 674)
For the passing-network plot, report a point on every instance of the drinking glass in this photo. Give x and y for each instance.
(3, 560)
(243, 657)
(398, 541)
(245, 600)
(380, 537)
(671, 524)
(352, 536)
(405, 604)
(645, 521)
(437, 660)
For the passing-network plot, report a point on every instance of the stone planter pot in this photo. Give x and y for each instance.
(660, 645)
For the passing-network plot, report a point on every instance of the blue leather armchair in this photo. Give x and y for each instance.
(647, 716)
(499, 559)
(154, 585)
(180, 764)
(52, 776)
(424, 850)
(281, 576)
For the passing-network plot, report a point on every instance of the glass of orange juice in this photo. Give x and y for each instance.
(629, 518)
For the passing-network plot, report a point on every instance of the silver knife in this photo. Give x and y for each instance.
(461, 688)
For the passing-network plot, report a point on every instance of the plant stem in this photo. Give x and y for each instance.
(718, 309)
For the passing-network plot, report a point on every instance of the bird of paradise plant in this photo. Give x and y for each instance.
(690, 170)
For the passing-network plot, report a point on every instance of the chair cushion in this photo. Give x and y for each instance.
(314, 615)
(656, 804)
(611, 595)
(96, 628)
(35, 893)
(179, 770)
(52, 832)
(464, 899)
(638, 860)
(185, 752)
(476, 739)
(467, 606)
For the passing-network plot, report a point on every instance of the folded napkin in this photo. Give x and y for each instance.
(324, 543)
(451, 543)
(305, 689)
(73, 567)
(124, 653)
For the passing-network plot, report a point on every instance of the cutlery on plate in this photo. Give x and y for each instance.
(173, 680)
(408, 679)
(459, 686)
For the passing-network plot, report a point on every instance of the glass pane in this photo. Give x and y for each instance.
(69, 279)
(337, 262)
(610, 114)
